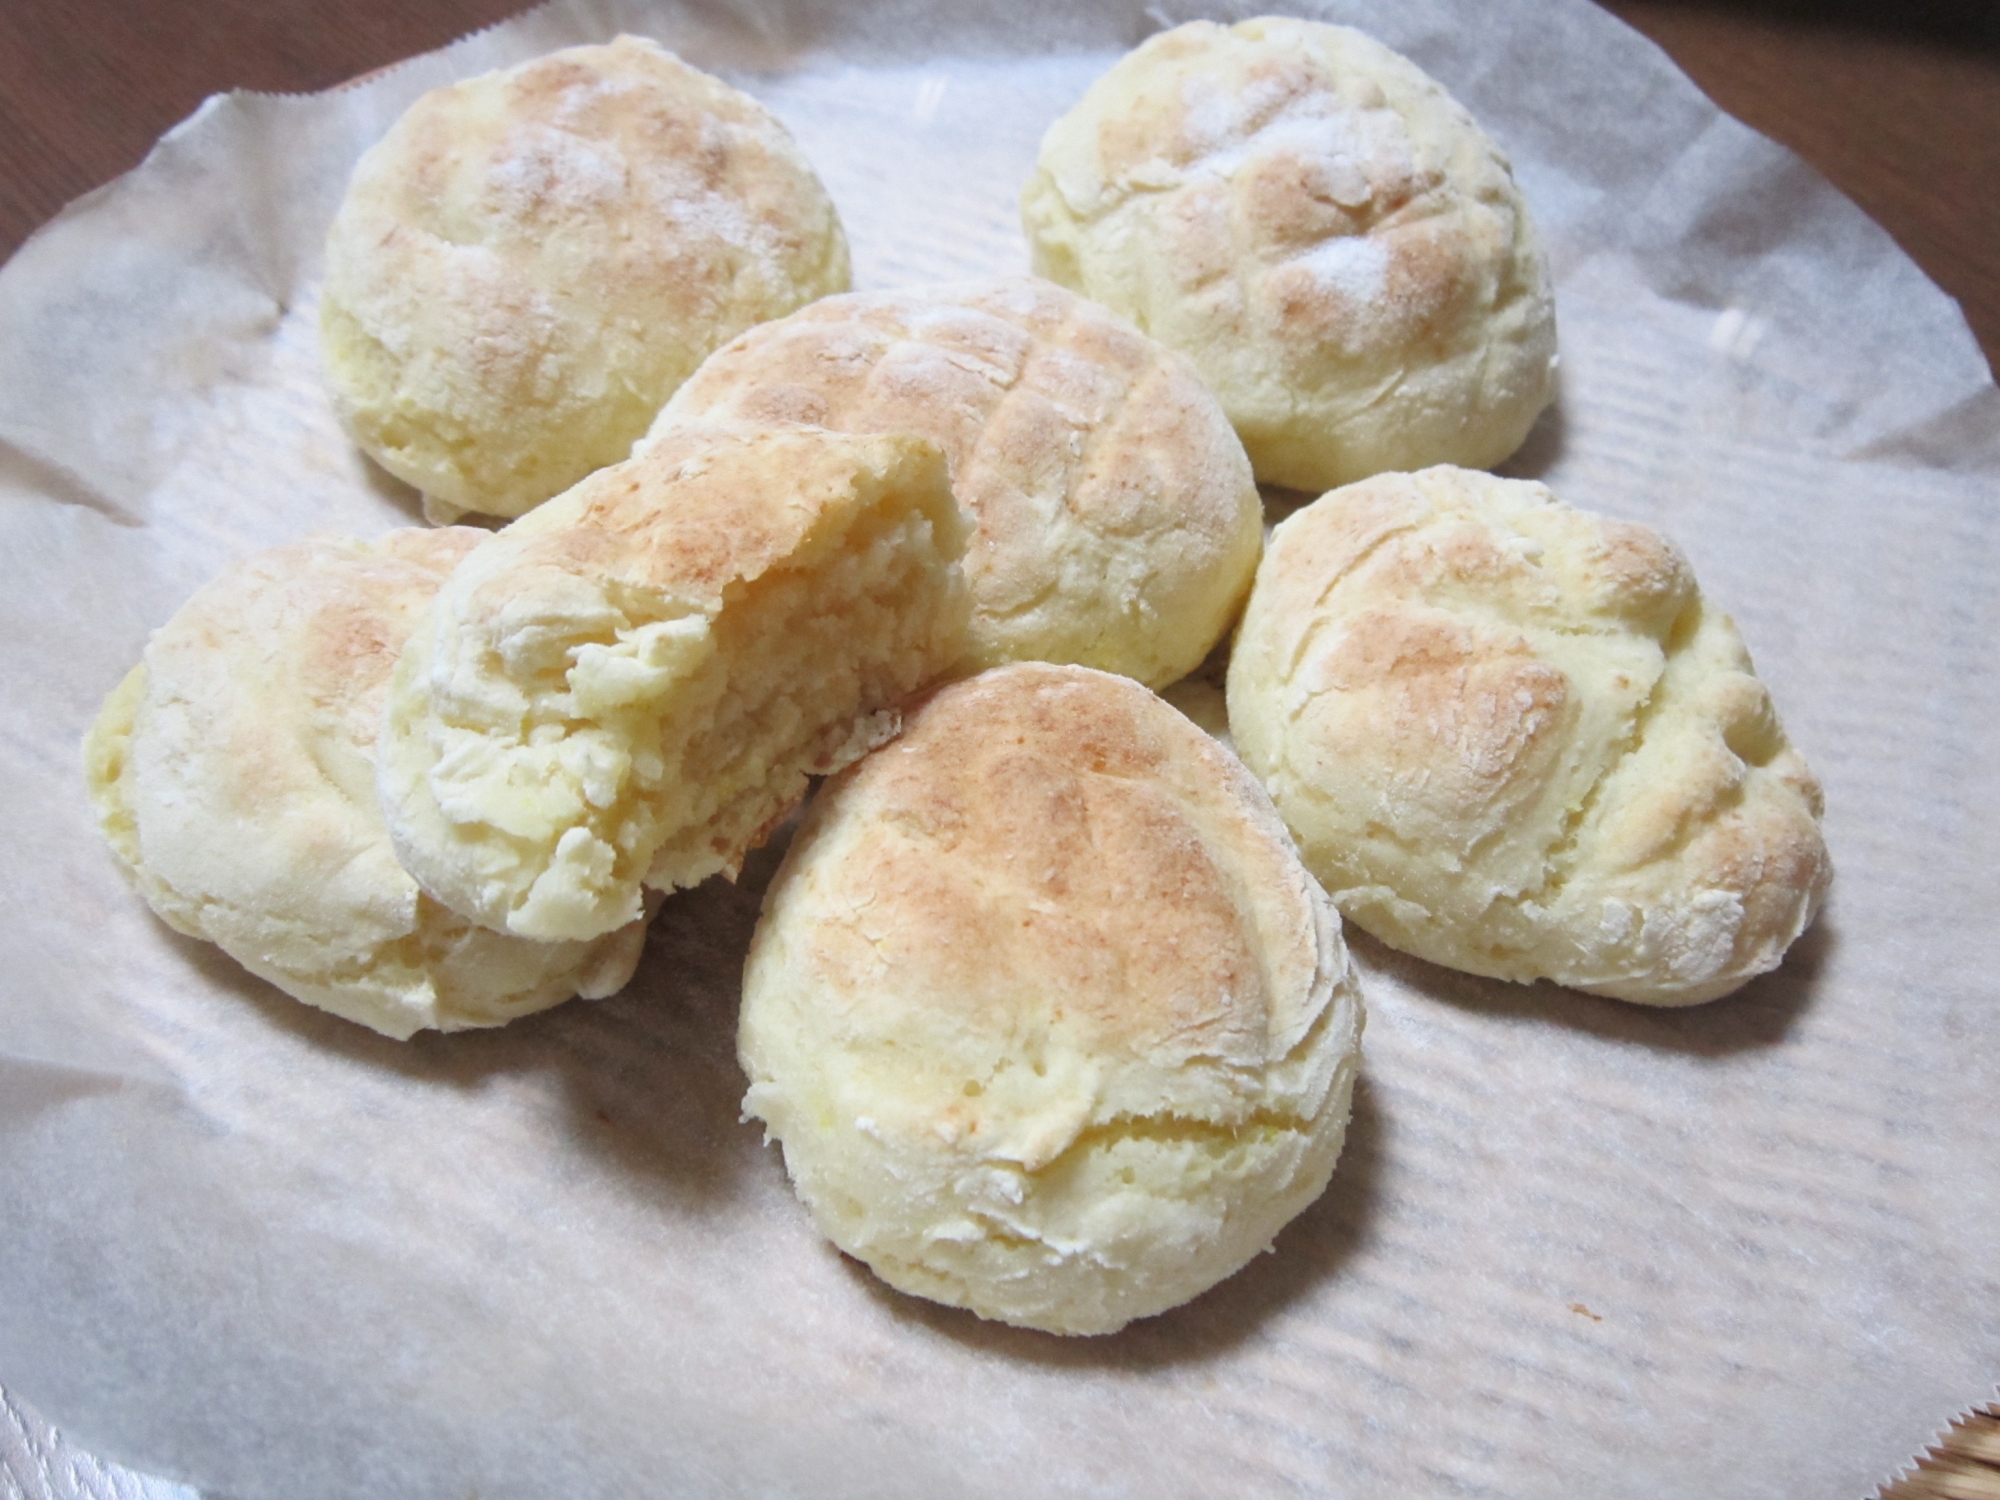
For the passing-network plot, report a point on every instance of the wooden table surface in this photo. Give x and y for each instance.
(1897, 103)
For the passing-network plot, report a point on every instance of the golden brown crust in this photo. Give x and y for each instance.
(530, 261)
(1050, 1020)
(1512, 738)
(1065, 799)
(1322, 229)
(1116, 524)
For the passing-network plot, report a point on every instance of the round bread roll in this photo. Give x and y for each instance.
(1049, 1019)
(233, 775)
(1511, 737)
(629, 686)
(1115, 522)
(1322, 229)
(530, 261)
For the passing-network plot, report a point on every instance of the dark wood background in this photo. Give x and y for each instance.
(1897, 101)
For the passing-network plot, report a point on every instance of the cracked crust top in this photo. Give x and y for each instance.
(1511, 737)
(1326, 233)
(530, 261)
(1048, 1016)
(1116, 524)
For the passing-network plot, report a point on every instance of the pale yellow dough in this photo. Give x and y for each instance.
(629, 686)
(1322, 229)
(1049, 1019)
(233, 775)
(1115, 522)
(530, 261)
(1513, 738)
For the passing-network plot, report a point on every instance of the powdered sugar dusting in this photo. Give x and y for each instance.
(1214, 117)
(705, 217)
(543, 168)
(1346, 150)
(697, 210)
(590, 99)
(693, 205)
(1354, 266)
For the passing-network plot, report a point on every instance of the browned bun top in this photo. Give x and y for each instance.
(1048, 1016)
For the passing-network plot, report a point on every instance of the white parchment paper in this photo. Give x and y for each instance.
(1575, 1248)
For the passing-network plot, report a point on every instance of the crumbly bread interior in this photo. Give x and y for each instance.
(1513, 738)
(1116, 524)
(630, 686)
(1049, 1019)
(530, 261)
(232, 773)
(1322, 229)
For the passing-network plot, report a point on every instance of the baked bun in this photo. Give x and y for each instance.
(1115, 522)
(630, 685)
(530, 261)
(1511, 737)
(233, 774)
(1050, 1020)
(1322, 229)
